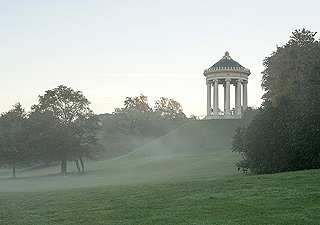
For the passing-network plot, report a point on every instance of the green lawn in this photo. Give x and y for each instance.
(188, 176)
(287, 198)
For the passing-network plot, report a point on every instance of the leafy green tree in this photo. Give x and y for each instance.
(263, 143)
(74, 124)
(287, 67)
(284, 136)
(86, 142)
(15, 139)
(47, 138)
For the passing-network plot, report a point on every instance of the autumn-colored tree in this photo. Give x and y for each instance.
(168, 107)
(170, 110)
(139, 103)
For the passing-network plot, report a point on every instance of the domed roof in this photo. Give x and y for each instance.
(227, 64)
(227, 61)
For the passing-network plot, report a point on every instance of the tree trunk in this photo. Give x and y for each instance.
(64, 166)
(82, 164)
(77, 165)
(14, 170)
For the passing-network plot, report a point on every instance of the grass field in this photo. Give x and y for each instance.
(188, 177)
(287, 198)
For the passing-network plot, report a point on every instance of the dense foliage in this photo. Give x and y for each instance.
(137, 124)
(284, 136)
(72, 121)
(61, 127)
(15, 139)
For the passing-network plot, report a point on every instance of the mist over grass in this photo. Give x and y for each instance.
(188, 176)
(286, 198)
(196, 148)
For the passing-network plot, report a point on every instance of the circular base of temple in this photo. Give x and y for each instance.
(221, 117)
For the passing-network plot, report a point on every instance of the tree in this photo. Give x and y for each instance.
(128, 129)
(263, 144)
(137, 124)
(286, 68)
(168, 107)
(86, 143)
(284, 136)
(171, 110)
(15, 139)
(139, 103)
(77, 134)
(47, 136)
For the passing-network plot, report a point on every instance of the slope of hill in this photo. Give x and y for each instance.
(186, 177)
(195, 149)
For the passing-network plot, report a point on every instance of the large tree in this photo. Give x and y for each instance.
(284, 136)
(15, 138)
(287, 67)
(47, 136)
(76, 128)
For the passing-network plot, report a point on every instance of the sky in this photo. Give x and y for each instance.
(111, 50)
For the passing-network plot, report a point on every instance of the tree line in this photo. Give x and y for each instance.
(137, 124)
(284, 135)
(62, 128)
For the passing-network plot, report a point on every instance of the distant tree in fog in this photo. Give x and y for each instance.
(169, 108)
(15, 138)
(139, 103)
(137, 124)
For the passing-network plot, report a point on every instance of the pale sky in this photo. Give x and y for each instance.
(111, 50)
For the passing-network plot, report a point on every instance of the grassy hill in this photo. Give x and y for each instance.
(186, 177)
(195, 149)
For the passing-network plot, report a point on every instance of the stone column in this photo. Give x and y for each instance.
(224, 97)
(208, 98)
(238, 98)
(216, 97)
(227, 97)
(213, 99)
(245, 96)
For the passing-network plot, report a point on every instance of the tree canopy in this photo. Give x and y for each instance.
(74, 124)
(288, 67)
(15, 138)
(284, 136)
(137, 124)
(139, 103)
